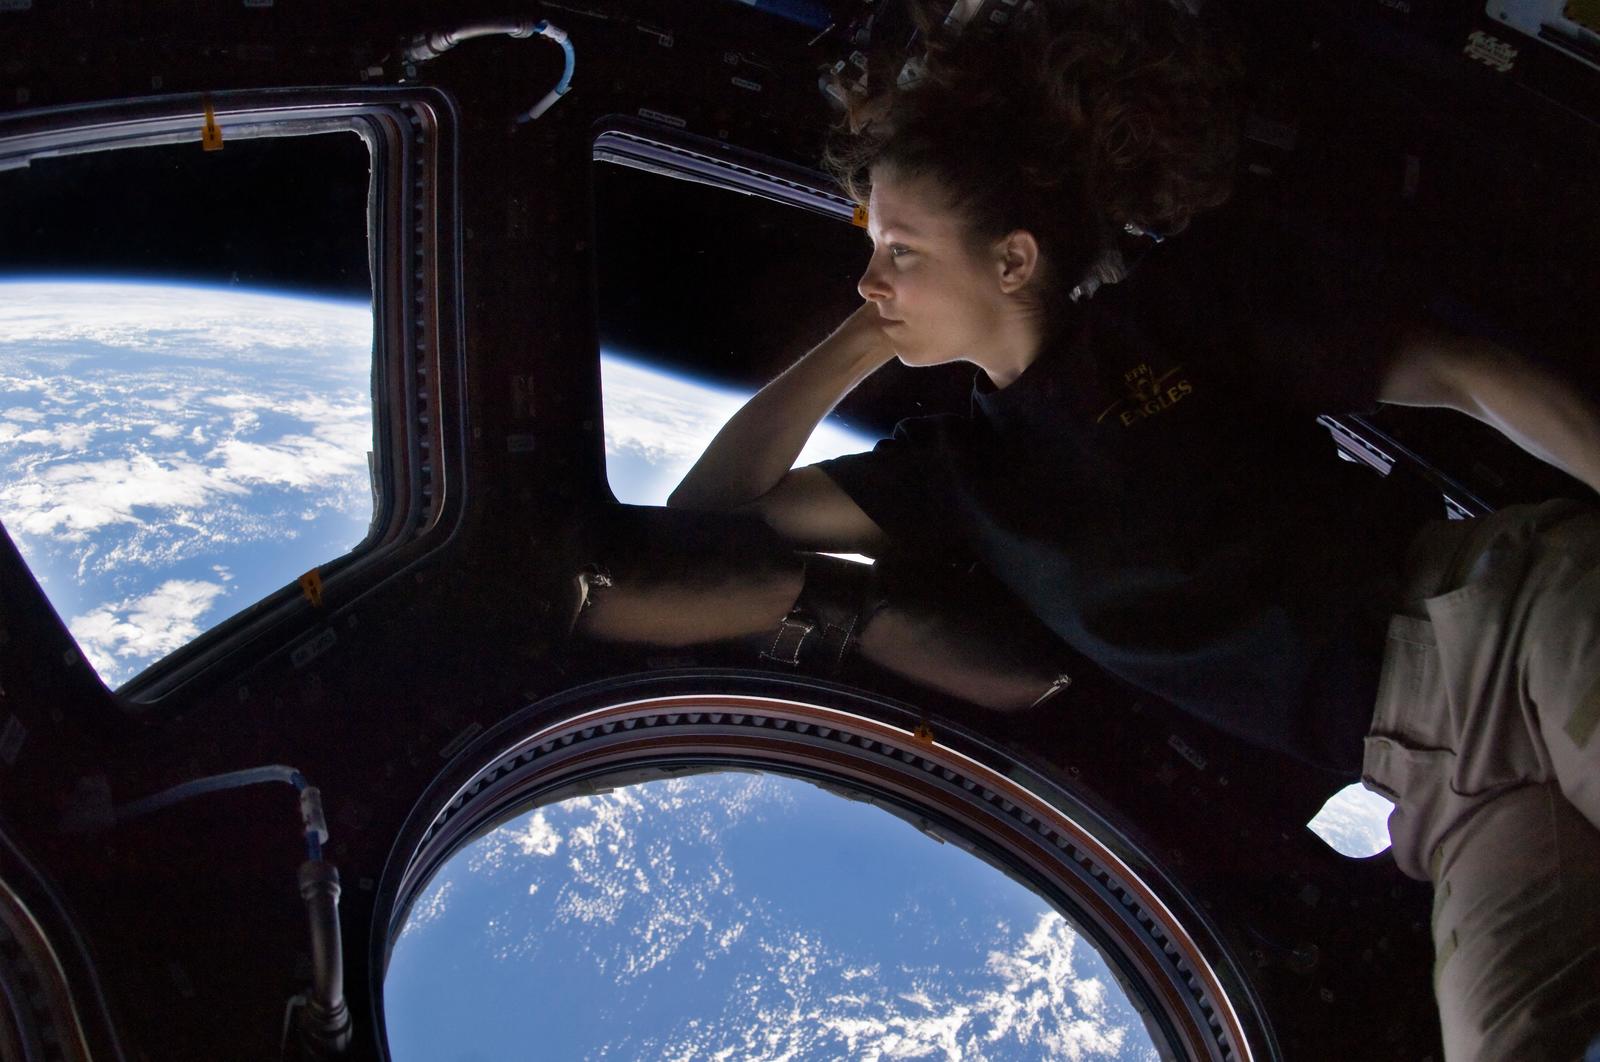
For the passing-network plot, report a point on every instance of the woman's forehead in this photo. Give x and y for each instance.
(910, 207)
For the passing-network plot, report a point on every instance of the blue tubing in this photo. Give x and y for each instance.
(572, 62)
(214, 784)
(562, 86)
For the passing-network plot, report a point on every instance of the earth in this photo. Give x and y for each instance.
(172, 454)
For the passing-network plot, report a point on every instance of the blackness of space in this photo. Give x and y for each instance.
(278, 213)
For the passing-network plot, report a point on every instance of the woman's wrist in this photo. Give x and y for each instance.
(860, 342)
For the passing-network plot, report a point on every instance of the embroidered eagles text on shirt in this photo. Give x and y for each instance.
(1148, 394)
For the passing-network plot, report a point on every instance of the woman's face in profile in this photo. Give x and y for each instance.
(939, 300)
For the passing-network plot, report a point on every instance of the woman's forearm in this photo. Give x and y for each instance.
(979, 657)
(666, 578)
(760, 443)
(1544, 414)
(1538, 410)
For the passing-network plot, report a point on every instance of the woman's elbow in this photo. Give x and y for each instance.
(1436, 368)
(688, 496)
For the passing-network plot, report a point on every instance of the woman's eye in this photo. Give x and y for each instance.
(897, 249)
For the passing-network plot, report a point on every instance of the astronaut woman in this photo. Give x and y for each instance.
(1142, 470)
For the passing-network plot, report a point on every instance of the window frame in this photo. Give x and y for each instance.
(418, 446)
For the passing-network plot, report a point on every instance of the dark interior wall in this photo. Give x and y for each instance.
(194, 920)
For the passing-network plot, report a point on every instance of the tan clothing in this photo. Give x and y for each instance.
(1485, 736)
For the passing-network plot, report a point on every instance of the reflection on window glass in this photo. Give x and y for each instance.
(740, 916)
(173, 448)
(1354, 822)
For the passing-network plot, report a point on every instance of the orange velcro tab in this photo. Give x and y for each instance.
(311, 587)
(211, 132)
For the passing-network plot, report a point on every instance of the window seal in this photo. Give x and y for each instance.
(648, 146)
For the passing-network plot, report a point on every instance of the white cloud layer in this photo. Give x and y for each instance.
(149, 625)
(148, 319)
(666, 421)
(148, 426)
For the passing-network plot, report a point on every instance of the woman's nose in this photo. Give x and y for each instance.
(871, 285)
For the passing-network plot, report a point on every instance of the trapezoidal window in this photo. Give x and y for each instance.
(716, 270)
(197, 384)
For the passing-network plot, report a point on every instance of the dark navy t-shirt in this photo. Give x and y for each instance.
(1155, 487)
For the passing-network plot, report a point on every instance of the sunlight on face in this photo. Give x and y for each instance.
(943, 302)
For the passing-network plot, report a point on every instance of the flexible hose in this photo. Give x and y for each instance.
(432, 45)
(324, 1018)
(213, 784)
(560, 37)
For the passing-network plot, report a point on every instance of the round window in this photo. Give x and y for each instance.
(736, 876)
(741, 915)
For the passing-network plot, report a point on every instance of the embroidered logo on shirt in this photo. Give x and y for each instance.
(1491, 51)
(1148, 394)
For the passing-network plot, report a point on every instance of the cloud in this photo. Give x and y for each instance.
(298, 461)
(429, 909)
(120, 637)
(66, 317)
(537, 837)
(147, 425)
(70, 500)
(65, 438)
(1040, 998)
(143, 497)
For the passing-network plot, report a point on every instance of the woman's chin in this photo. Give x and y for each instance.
(918, 359)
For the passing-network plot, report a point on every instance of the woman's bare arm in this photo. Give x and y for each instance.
(1533, 407)
(747, 466)
(810, 510)
(998, 661)
(681, 578)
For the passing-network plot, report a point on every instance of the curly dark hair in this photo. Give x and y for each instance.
(1079, 118)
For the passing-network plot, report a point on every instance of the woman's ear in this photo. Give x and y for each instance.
(1016, 258)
